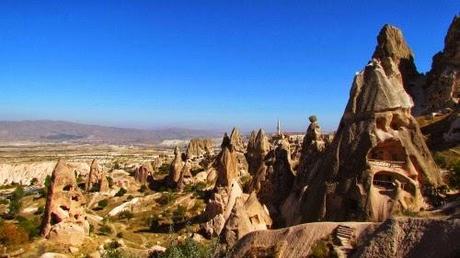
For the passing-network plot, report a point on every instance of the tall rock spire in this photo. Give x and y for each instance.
(378, 163)
(442, 87)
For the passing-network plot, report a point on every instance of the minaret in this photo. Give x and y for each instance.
(278, 127)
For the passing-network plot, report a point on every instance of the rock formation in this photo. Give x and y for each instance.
(226, 164)
(378, 163)
(274, 179)
(96, 181)
(442, 88)
(228, 200)
(236, 140)
(185, 175)
(295, 241)
(248, 215)
(412, 237)
(199, 147)
(258, 148)
(395, 55)
(401, 237)
(64, 219)
(175, 169)
(313, 147)
(238, 145)
(453, 135)
(283, 176)
(142, 174)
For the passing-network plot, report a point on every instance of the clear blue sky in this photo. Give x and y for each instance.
(198, 64)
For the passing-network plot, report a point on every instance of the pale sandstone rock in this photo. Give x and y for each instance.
(295, 241)
(175, 168)
(236, 140)
(96, 179)
(248, 215)
(412, 237)
(226, 163)
(64, 219)
(199, 147)
(53, 255)
(442, 88)
(258, 147)
(142, 175)
(378, 143)
(24, 173)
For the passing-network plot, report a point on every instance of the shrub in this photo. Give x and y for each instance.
(11, 234)
(166, 198)
(105, 230)
(34, 181)
(142, 189)
(31, 227)
(440, 160)
(110, 180)
(454, 176)
(121, 192)
(47, 182)
(129, 197)
(245, 181)
(322, 249)
(103, 203)
(163, 169)
(197, 189)
(196, 171)
(179, 214)
(112, 245)
(189, 248)
(409, 213)
(125, 215)
(110, 250)
(112, 253)
(40, 210)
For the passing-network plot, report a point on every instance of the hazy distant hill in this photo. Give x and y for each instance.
(60, 131)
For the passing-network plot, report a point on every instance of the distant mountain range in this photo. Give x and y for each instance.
(60, 131)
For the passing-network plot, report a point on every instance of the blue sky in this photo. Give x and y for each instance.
(198, 64)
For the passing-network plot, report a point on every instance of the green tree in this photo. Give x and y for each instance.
(15, 201)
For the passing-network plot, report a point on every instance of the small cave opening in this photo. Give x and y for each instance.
(55, 219)
(67, 188)
(387, 180)
(389, 150)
